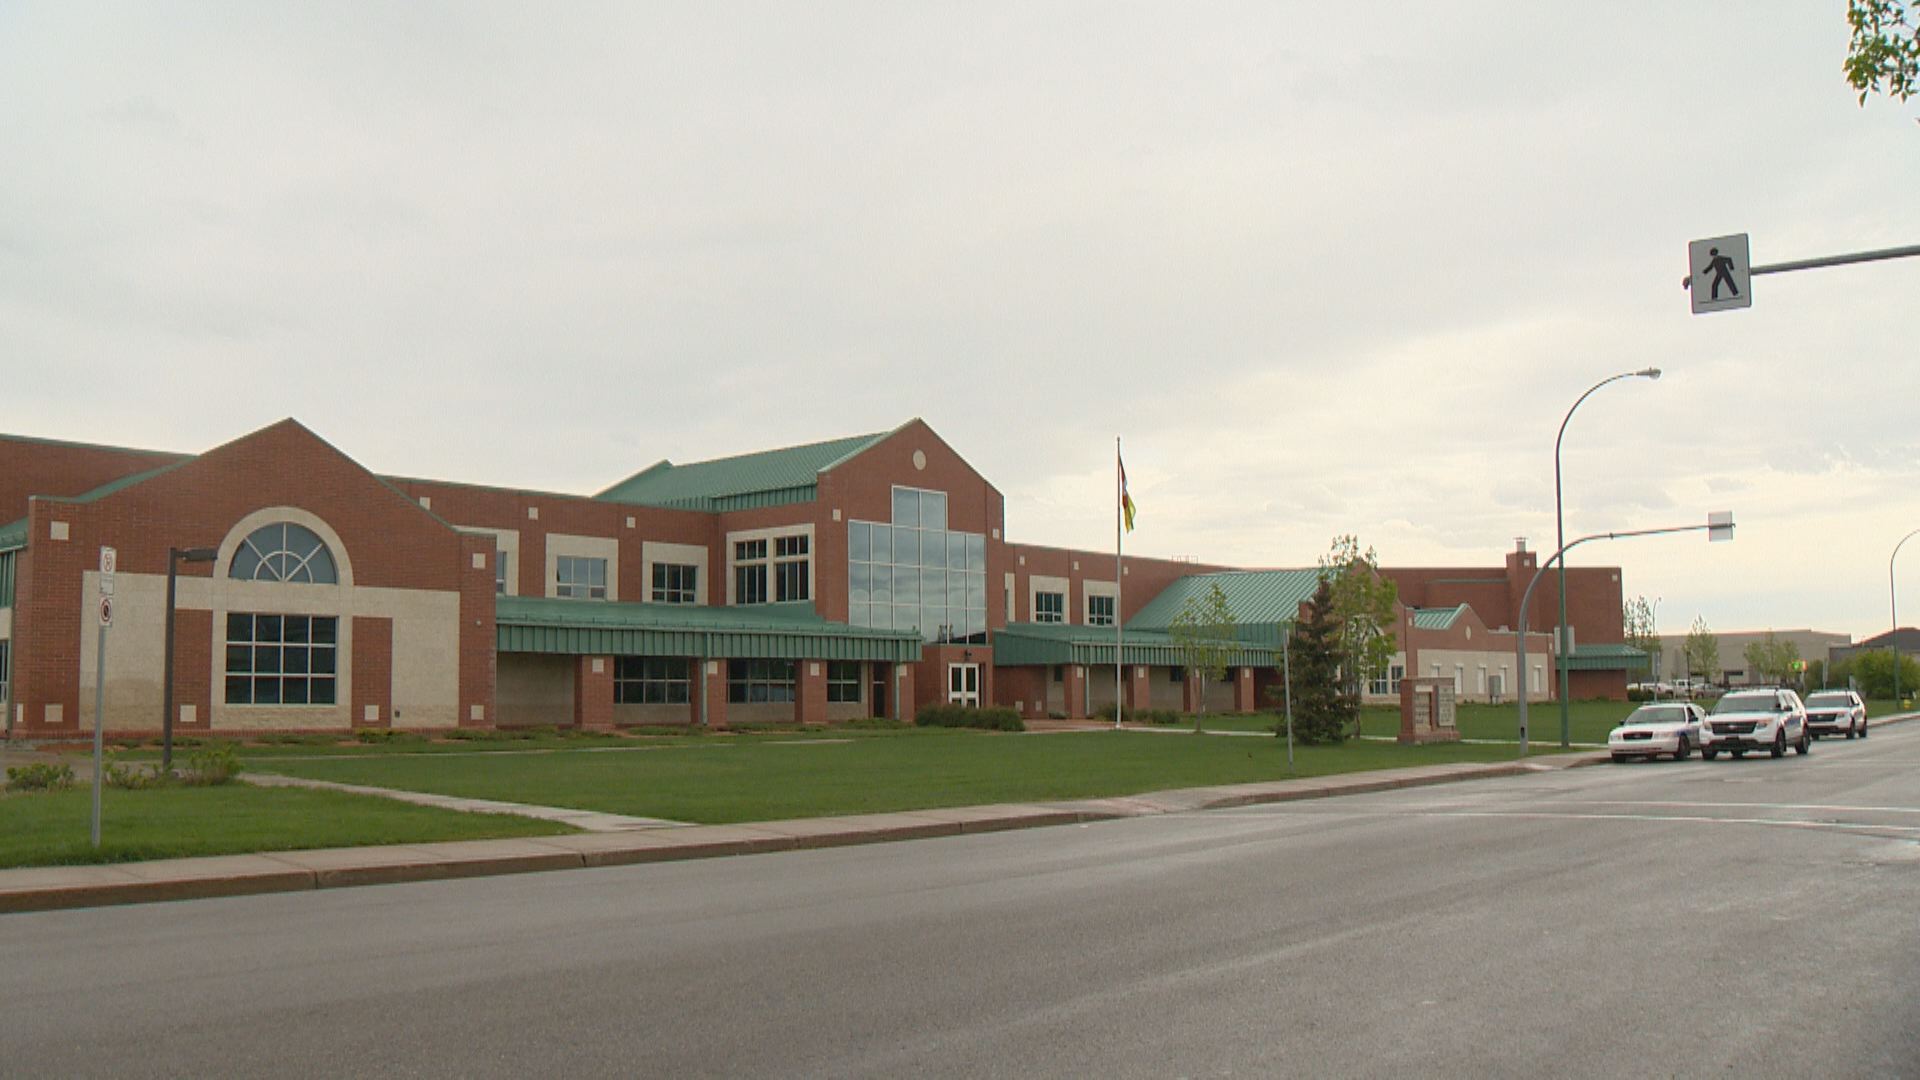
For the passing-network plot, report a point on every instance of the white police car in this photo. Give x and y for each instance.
(1666, 727)
(1744, 720)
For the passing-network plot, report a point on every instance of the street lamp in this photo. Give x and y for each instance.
(175, 556)
(1719, 526)
(1560, 531)
(1893, 604)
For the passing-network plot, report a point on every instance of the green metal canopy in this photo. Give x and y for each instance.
(1021, 644)
(529, 624)
(1437, 618)
(1606, 658)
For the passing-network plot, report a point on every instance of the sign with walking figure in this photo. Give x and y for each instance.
(1721, 275)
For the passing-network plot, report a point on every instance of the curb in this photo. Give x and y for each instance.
(49, 888)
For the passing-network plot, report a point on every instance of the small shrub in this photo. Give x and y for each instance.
(40, 776)
(962, 717)
(1141, 716)
(132, 777)
(215, 764)
(876, 723)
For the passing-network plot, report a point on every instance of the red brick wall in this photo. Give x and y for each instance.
(479, 663)
(193, 668)
(593, 693)
(372, 671)
(30, 467)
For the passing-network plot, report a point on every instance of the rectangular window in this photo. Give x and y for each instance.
(933, 580)
(755, 682)
(281, 659)
(651, 680)
(675, 583)
(790, 581)
(1049, 607)
(1099, 611)
(579, 578)
(6, 697)
(750, 584)
(499, 572)
(748, 550)
(843, 681)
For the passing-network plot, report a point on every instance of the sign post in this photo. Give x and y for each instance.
(108, 561)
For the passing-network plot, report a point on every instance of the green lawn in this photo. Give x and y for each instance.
(717, 781)
(45, 829)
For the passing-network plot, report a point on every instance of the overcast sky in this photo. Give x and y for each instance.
(1328, 268)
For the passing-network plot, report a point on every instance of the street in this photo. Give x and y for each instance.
(1752, 918)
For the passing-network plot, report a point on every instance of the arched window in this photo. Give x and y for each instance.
(284, 551)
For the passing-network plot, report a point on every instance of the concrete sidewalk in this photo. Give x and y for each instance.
(52, 887)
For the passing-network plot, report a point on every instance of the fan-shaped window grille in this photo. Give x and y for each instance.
(284, 552)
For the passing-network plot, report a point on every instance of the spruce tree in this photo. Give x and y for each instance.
(1321, 703)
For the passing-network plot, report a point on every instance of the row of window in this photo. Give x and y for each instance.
(1052, 607)
(1390, 682)
(786, 569)
(577, 577)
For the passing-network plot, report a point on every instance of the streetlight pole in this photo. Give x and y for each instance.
(1718, 526)
(1560, 534)
(175, 556)
(1893, 606)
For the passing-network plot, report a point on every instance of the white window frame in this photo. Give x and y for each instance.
(771, 535)
(694, 555)
(582, 547)
(1040, 583)
(1103, 589)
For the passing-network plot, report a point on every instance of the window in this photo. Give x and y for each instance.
(283, 551)
(1099, 611)
(1387, 682)
(499, 572)
(788, 568)
(650, 680)
(675, 583)
(5, 673)
(753, 682)
(281, 659)
(915, 575)
(843, 681)
(1049, 607)
(578, 578)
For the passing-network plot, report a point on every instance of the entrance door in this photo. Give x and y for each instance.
(878, 706)
(963, 685)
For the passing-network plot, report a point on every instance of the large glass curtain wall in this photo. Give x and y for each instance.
(915, 574)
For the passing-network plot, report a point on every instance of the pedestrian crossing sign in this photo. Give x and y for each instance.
(1720, 275)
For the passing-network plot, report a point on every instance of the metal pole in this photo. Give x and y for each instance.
(1893, 606)
(1822, 261)
(1560, 537)
(1119, 574)
(99, 727)
(166, 677)
(1520, 633)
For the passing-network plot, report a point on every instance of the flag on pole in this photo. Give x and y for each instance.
(1126, 500)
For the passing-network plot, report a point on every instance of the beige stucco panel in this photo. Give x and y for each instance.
(694, 555)
(582, 547)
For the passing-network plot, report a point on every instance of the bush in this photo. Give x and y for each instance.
(217, 763)
(385, 735)
(132, 777)
(959, 716)
(42, 776)
(287, 738)
(1161, 717)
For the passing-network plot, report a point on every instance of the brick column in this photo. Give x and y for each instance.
(903, 691)
(479, 659)
(1076, 692)
(1139, 687)
(710, 686)
(593, 693)
(193, 670)
(1244, 699)
(371, 700)
(810, 691)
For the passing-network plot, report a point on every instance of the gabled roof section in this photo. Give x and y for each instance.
(1612, 657)
(123, 483)
(1438, 618)
(767, 478)
(1257, 598)
(14, 535)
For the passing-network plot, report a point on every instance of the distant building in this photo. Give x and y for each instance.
(1733, 669)
(1908, 637)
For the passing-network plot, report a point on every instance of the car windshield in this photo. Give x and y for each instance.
(1830, 699)
(1744, 703)
(1658, 714)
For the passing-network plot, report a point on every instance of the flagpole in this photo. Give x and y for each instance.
(1119, 571)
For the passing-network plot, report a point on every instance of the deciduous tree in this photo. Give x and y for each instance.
(1363, 602)
(1772, 658)
(1203, 634)
(1702, 651)
(1884, 53)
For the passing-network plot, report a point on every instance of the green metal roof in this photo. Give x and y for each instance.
(1606, 658)
(774, 631)
(121, 484)
(768, 478)
(13, 536)
(1021, 644)
(1261, 600)
(1437, 618)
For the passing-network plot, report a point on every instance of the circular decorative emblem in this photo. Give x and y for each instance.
(919, 460)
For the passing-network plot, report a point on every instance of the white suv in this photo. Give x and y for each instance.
(1744, 720)
(1837, 712)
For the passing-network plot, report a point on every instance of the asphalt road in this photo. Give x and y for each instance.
(1749, 918)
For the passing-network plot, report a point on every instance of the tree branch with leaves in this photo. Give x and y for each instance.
(1203, 635)
(1883, 55)
(1363, 605)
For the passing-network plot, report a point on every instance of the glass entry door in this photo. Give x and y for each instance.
(963, 685)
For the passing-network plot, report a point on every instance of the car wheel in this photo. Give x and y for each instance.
(1739, 753)
(1684, 751)
(1709, 753)
(1805, 745)
(1852, 731)
(1779, 747)
(1863, 728)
